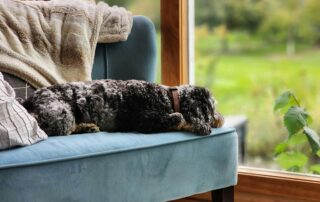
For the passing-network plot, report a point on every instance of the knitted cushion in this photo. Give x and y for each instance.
(17, 126)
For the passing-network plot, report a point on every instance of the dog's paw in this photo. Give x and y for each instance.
(176, 118)
(93, 128)
(198, 126)
(202, 129)
(218, 120)
(86, 128)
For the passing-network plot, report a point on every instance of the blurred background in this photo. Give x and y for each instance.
(248, 52)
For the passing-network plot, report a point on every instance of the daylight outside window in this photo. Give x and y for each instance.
(248, 53)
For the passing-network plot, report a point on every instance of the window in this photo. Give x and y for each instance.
(248, 53)
(253, 183)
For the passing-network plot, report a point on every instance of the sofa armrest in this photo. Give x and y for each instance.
(131, 59)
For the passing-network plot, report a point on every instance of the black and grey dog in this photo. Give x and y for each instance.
(115, 105)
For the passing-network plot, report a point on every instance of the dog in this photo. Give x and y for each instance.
(123, 106)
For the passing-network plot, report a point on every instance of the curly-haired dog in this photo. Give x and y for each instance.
(114, 105)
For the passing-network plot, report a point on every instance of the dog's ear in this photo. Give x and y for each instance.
(207, 92)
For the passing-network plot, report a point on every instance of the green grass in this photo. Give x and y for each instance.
(250, 77)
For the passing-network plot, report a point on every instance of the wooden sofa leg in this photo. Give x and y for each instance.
(223, 195)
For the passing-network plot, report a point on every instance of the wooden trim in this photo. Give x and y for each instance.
(174, 42)
(269, 186)
(265, 186)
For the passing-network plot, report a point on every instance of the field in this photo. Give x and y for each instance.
(247, 78)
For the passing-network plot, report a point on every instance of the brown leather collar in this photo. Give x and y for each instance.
(175, 98)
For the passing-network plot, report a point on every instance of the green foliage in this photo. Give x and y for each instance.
(235, 14)
(288, 22)
(313, 139)
(247, 68)
(315, 169)
(285, 101)
(249, 79)
(296, 120)
(292, 161)
(297, 139)
(280, 148)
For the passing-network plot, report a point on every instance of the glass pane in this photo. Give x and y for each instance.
(150, 9)
(248, 52)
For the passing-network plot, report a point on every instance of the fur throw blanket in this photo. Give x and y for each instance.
(114, 105)
(50, 42)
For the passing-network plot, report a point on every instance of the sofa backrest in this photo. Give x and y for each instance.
(132, 59)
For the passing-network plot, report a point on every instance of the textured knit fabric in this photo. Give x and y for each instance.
(49, 42)
(17, 127)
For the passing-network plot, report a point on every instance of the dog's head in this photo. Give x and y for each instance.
(198, 107)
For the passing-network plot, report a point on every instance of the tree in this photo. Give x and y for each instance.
(151, 9)
(123, 3)
(282, 21)
(312, 19)
(235, 14)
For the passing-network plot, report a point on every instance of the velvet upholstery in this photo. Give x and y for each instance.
(120, 167)
(132, 59)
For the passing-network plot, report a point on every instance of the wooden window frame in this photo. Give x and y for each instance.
(268, 186)
(174, 42)
(253, 184)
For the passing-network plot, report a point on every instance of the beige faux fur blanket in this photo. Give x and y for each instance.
(49, 42)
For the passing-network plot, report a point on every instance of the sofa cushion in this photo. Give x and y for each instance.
(98, 167)
(17, 126)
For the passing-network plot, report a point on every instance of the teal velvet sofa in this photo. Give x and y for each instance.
(124, 167)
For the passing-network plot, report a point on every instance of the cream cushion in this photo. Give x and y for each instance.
(17, 126)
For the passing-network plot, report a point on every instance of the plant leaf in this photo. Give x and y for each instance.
(295, 119)
(313, 139)
(280, 148)
(292, 160)
(315, 169)
(318, 153)
(297, 139)
(285, 101)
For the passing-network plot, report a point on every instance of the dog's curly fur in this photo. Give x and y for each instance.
(115, 105)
